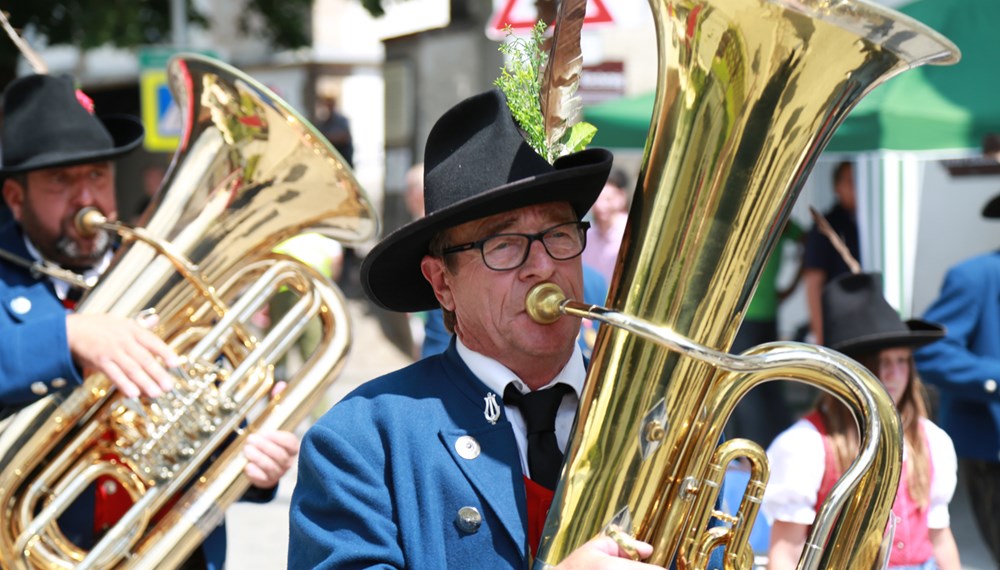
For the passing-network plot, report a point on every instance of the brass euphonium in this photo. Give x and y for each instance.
(749, 93)
(249, 174)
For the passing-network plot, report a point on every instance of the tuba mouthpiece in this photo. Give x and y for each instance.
(88, 221)
(544, 303)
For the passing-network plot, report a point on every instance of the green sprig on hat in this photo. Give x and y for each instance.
(521, 83)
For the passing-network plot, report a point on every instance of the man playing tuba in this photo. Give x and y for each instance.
(451, 462)
(58, 159)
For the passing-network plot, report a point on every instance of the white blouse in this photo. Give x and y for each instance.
(797, 462)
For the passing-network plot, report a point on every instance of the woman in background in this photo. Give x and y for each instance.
(807, 459)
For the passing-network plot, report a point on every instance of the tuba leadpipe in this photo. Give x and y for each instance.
(749, 93)
(249, 174)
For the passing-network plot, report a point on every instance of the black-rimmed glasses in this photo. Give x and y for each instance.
(502, 252)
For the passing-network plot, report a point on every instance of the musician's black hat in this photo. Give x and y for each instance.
(476, 164)
(857, 320)
(45, 125)
(992, 208)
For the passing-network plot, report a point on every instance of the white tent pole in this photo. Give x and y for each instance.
(889, 191)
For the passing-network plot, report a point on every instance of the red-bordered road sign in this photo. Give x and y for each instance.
(521, 16)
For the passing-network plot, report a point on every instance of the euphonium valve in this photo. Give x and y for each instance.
(748, 95)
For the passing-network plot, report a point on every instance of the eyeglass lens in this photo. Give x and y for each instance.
(507, 251)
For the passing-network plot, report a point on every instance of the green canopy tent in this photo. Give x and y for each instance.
(935, 107)
(920, 115)
(931, 107)
(622, 123)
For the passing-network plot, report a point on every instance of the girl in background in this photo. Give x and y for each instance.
(808, 458)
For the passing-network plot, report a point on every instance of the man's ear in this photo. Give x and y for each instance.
(435, 273)
(13, 194)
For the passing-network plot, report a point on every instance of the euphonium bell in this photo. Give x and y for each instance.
(249, 174)
(749, 93)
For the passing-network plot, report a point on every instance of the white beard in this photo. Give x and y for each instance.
(69, 249)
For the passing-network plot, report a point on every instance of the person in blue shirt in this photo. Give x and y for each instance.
(964, 367)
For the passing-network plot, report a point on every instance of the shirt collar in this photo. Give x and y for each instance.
(496, 376)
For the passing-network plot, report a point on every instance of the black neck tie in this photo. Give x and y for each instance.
(73, 296)
(539, 411)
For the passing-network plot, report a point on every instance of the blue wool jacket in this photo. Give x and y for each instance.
(965, 365)
(33, 327)
(34, 351)
(383, 475)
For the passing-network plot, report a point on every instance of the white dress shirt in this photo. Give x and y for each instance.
(496, 376)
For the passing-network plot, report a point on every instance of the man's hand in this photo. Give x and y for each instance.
(603, 552)
(127, 352)
(269, 456)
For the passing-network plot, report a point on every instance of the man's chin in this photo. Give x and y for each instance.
(79, 263)
(81, 256)
(554, 338)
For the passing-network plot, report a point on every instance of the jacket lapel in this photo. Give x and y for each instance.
(495, 471)
(23, 295)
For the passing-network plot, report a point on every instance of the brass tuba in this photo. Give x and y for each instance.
(749, 93)
(249, 174)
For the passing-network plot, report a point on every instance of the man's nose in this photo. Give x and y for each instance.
(539, 262)
(84, 194)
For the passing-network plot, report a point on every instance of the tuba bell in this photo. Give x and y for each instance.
(749, 92)
(249, 174)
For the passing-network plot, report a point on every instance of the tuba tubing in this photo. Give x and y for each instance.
(249, 174)
(880, 452)
(749, 92)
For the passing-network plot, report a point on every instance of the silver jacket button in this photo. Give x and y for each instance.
(467, 447)
(469, 520)
(990, 386)
(39, 388)
(21, 305)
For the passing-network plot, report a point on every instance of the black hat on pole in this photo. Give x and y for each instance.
(476, 164)
(857, 320)
(45, 126)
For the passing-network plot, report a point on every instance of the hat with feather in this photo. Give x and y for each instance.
(48, 123)
(494, 152)
(857, 320)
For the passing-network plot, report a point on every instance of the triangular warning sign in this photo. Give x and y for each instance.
(521, 16)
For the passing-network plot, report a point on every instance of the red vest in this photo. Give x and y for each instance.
(539, 501)
(911, 542)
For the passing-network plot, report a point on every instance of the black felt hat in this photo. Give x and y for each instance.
(476, 164)
(46, 126)
(992, 208)
(857, 320)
